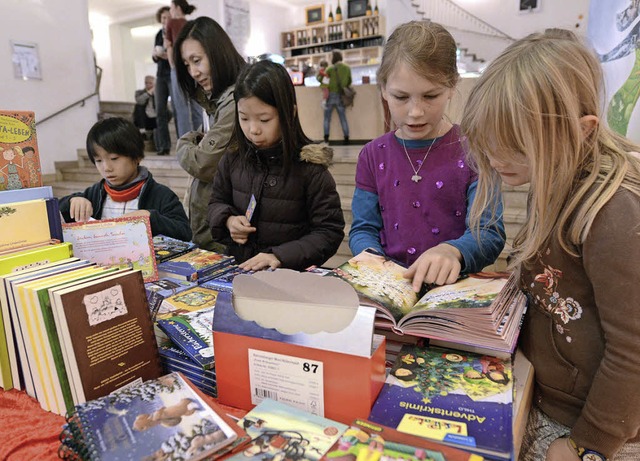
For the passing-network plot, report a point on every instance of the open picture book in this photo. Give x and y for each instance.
(479, 313)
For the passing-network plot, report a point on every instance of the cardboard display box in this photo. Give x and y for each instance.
(300, 339)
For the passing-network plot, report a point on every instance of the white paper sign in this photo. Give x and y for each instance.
(291, 380)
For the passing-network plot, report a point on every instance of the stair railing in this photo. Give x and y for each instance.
(80, 102)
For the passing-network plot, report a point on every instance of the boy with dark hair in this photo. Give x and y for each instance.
(116, 148)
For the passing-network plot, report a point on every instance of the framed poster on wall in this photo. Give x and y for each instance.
(528, 6)
(356, 8)
(314, 14)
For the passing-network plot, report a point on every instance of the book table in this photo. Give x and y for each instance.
(29, 432)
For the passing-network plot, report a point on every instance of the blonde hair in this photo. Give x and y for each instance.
(527, 107)
(428, 49)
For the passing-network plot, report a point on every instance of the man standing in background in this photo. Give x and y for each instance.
(163, 85)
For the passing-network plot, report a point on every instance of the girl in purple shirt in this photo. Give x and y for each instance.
(414, 185)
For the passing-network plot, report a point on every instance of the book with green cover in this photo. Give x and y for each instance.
(15, 262)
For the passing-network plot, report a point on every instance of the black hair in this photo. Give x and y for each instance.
(336, 56)
(184, 6)
(161, 10)
(115, 135)
(224, 60)
(271, 84)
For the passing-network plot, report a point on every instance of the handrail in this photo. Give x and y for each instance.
(80, 101)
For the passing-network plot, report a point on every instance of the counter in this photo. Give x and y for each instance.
(366, 117)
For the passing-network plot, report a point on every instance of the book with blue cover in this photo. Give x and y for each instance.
(161, 289)
(21, 195)
(457, 398)
(168, 247)
(163, 418)
(193, 333)
(224, 281)
(194, 265)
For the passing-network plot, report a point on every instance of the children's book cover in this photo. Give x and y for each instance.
(161, 289)
(481, 312)
(19, 155)
(124, 242)
(160, 419)
(366, 440)
(168, 248)
(192, 299)
(457, 398)
(193, 333)
(224, 282)
(281, 432)
(194, 265)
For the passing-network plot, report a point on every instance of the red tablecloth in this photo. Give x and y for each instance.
(28, 432)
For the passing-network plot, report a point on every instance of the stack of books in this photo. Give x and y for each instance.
(197, 265)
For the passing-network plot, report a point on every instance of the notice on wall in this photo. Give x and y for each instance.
(237, 22)
(26, 61)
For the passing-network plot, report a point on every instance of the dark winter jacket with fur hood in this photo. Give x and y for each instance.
(298, 218)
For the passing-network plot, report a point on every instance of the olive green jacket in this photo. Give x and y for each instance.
(199, 155)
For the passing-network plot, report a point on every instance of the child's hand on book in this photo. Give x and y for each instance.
(261, 261)
(439, 265)
(80, 209)
(240, 228)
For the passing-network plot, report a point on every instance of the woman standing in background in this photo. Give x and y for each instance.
(188, 114)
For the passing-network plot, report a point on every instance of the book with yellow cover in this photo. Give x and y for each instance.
(28, 222)
(11, 263)
(19, 155)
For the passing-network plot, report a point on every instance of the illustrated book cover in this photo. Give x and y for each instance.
(168, 248)
(193, 333)
(224, 282)
(368, 440)
(106, 333)
(159, 419)
(123, 242)
(194, 265)
(42, 216)
(280, 431)
(19, 154)
(160, 289)
(453, 397)
(480, 313)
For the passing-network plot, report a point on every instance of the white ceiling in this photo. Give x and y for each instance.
(124, 10)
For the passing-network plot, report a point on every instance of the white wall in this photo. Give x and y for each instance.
(61, 30)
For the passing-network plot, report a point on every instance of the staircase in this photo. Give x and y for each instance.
(467, 29)
(76, 176)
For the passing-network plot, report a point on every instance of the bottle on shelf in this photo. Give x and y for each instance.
(330, 18)
(338, 12)
(368, 11)
(376, 11)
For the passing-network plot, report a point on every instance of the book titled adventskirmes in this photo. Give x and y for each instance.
(480, 313)
(456, 398)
